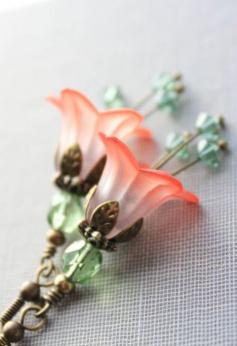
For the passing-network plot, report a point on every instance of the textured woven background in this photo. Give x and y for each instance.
(176, 284)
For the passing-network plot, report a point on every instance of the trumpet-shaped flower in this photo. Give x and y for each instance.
(82, 123)
(138, 190)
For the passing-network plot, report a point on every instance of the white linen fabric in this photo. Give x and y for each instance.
(176, 283)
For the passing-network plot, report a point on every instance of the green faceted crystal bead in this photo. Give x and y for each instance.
(66, 212)
(174, 140)
(168, 90)
(113, 97)
(207, 123)
(167, 100)
(209, 153)
(163, 81)
(212, 137)
(81, 261)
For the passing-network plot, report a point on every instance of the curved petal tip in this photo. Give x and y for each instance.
(189, 197)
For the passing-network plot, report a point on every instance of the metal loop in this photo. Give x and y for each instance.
(43, 310)
(35, 309)
(47, 260)
(46, 269)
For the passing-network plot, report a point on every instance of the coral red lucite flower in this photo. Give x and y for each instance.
(127, 192)
(81, 152)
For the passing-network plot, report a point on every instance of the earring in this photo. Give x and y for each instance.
(104, 195)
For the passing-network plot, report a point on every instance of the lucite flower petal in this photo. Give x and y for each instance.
(121, 122)
(120, 170)
(142, 132)
(188, 196)
(148, 190)
(152, 200)
(118, 123)
(137, 190)
(145, 149)
(79, 119)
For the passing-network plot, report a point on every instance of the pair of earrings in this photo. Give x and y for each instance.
(106, 187)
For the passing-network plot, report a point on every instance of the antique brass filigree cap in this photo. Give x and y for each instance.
(102, 221)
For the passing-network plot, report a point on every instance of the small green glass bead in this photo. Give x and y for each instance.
(209, 153)
(163, 81)
(168, 89)
(173, 140)
(111, 93)
(81, 261)
(113, 97)
(117, 104)
(211, 137)
(207, 123)
(167, 100)
(66, 212)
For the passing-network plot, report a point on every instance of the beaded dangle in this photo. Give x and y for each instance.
(105, 190)
(208, 148)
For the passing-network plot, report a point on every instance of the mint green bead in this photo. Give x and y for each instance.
(174, 140)
(111, 93)
(81, 261)
(167, 100)
(66, 212)
(212, 137)
(207, 123)
(209, 153)
(167, 91)
(117, 104)
(113, 97)
(163, 81)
